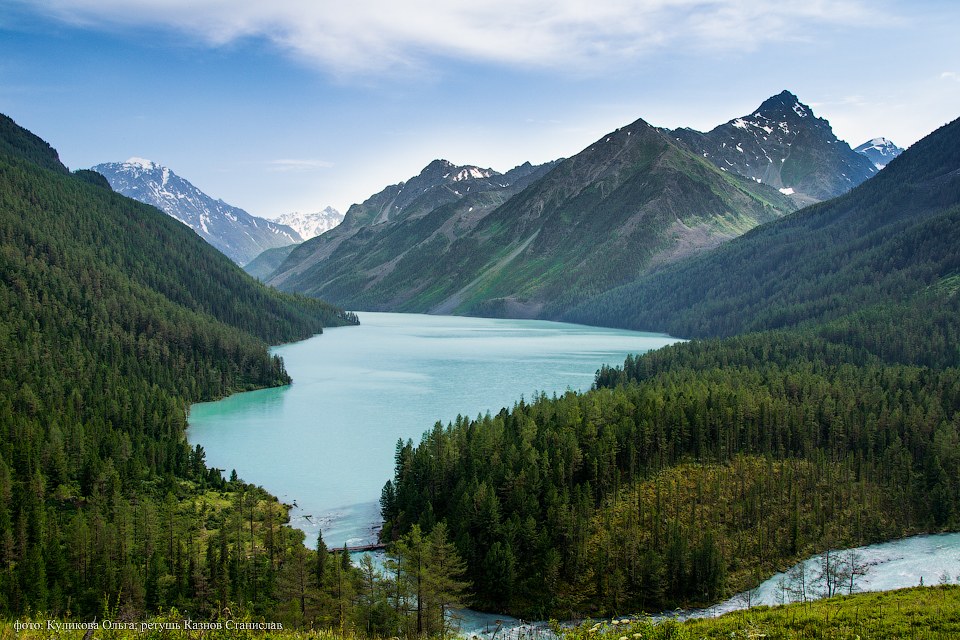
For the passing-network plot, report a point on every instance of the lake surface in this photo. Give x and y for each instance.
(327, 442)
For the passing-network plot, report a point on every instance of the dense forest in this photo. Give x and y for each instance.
(113, 318)
(698, 469)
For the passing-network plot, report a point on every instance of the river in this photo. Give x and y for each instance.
(326, 443)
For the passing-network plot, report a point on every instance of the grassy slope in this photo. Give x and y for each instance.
(922, 613)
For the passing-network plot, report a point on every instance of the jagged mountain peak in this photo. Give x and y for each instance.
(783, 143)
(784, 103)
(445, 170)
(441, 181)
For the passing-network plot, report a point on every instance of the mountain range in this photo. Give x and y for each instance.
(821, 414)
(236, 233)
(466, 240)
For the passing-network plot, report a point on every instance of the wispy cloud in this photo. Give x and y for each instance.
(950, 75)
(377, 36)
(298, 165)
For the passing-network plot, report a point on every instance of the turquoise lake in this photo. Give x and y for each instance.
(326, 443)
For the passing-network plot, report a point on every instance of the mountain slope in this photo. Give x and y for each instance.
(357, 261)
(879, 151)
(785, 145)
(887, 240)
(113, 318)
(232, 230)
(630, 202)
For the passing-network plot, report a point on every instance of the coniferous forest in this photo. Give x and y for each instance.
(831, 418)
(114, 318)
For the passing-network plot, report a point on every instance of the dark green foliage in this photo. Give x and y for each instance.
(15, 141)
(93, 178)
(533, 492)
(692, 470)
(113, 318)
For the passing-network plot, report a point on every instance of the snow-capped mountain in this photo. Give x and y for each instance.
(310, 225)
(783, 144)
(439, 183)
(236, 233)
(879, 151)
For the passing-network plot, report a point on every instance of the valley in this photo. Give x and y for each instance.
(814, 407)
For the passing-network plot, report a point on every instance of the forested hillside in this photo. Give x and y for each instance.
(113, 318)
(698, 469)
(893, 236)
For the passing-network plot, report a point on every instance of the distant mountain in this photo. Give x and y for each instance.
(889, 240)
(534, 241)
(783, 144)
(440, 182)
(879, 151)
(310, 225)
(232, 230)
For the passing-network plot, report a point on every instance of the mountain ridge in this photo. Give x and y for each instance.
(557, 233)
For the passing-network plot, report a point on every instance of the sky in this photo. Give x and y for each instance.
(293, 105)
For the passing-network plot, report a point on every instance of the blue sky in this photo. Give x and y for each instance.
(286, 105)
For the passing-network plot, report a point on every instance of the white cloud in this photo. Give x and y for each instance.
(950, 75)
(298, 165)
(376, 36)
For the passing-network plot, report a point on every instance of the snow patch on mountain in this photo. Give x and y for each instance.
(311, 225)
